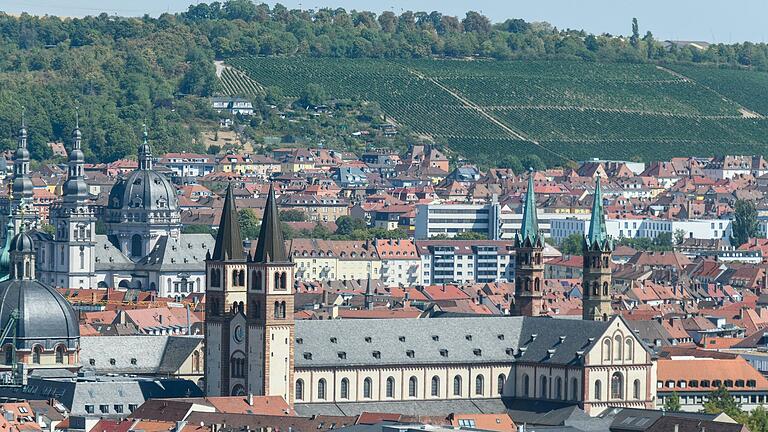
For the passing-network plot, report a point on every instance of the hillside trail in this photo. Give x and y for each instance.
(744, 111)
(469, 104)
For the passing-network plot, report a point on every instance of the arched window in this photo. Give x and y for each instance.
(413, 385)
(36, 352)
(636, 389)
(526, 385)
(558, 388)
(575, 389)
(321, 389)
(8, 355)
(196, 361)
(367, 388)
(617, 342)
(628, 348)
(234, 277)
(617, 386)
(605, 288)
(543, 392)
(479, 385)
(283, 281)
(215, 277)
(500, 383)
(596, 288)
(277, 310)
(136, 246)
(276, 278)
(299, 389)
(536, 285)
(344, 388)
(390, 387)
(256, 283)
(27, 269)
(241, 278)
(238, 390)
(82, 258)
(435, 386)
(256, 311)
(607, 349)
(598, 389)
(457, 385)
(60, 351)
(282, 310)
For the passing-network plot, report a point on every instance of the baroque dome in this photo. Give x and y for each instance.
(45, 316)
(143, 189)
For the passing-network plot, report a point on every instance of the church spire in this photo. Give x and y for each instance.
(229, 243)
(529, 230)
(22, 184)
(271, 246)
(75, 188)
(598, 234)
(145, 152)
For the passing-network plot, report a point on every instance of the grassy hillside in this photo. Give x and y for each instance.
(560, 110)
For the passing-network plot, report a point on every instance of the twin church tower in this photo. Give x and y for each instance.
(249, 318)
(597, 248)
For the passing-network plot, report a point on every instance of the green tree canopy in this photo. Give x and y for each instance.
(293, 215)
(745, 222)
(249, 223)
(572, 245)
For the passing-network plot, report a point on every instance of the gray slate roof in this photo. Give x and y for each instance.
(152, 354)
(96, 391)
(422, 407)
(185, 253)
(495, 339)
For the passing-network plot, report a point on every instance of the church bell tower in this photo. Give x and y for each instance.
(271, 301)
(529, 256)
(597, 248)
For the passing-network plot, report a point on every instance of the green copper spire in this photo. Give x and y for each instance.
(598, 234)
(5, 256)
(529, 231)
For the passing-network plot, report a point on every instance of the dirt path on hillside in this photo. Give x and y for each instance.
(745, 112)
(469, 104)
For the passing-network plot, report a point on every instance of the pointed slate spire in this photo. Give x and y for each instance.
(229, 243)
(529, 229)
(271, 246)
(597, 230)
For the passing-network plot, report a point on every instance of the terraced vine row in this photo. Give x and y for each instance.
(577, 109)
(235, 83)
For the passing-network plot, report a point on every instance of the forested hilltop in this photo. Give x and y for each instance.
(123, 72)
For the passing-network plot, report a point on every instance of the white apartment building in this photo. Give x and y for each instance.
(470, 261)
(649, 228)
(494, 221)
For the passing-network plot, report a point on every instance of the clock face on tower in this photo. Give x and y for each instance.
(239, 334)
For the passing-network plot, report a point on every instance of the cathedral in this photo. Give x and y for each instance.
(143, 246)
(254, 346)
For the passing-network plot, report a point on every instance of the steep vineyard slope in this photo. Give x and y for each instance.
(557, 109)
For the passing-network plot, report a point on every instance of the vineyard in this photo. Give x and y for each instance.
(558, 110)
